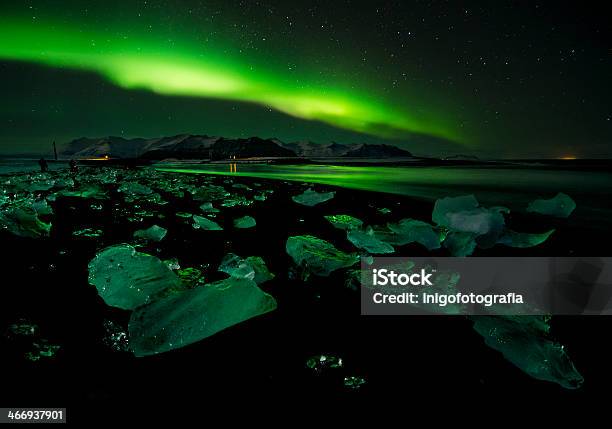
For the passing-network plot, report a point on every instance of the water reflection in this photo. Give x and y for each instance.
(233, 167)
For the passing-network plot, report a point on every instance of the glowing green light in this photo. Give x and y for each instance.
(152, 64)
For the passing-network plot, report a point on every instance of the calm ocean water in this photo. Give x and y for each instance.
(493, 186)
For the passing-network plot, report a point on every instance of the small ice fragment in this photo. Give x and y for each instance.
(561, 205)
(208, 208)
(366, 240)
(354, 382)
(135, 188)
(321, 363)
(252, 268)
(460, 243)
(311, 197)
(115, 337)
(411, 231)
(344, 222)
(87, 232)
(42, 349)
(236, 201)
(200, 222)
(153, 233)
(244, 222)
(523, 239)
(317, 256)
(22, 328)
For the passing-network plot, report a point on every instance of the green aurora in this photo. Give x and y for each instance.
(184, 69)
(494, 80)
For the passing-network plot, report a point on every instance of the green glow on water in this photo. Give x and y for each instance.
(513, 187)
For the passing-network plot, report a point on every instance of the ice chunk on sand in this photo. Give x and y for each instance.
(523, 239)
(444, 206)
(87, 232)
(561, 205)
(185, 318)
(42, 208)
(135, 188)
(22, 328)
(415, 231)
(354, 382)
(236, 201)
(200, 222)
(321, 363)
(366, 240)
(154, 233)
(318, 256)
(344, 222)
(478, 221)
(311, 197)
(115, 337)
(87, 191)
(524, 341)
(252, 268)
(460, 243)
(42, 349)
(208, 208)
(127, 279)
(24, 222)
(462, 215)
(209, 193)
(245, 222)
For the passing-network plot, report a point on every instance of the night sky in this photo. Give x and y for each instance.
(493, 79)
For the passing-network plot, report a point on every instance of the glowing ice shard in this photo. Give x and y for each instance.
(135, 188)
(311, 197)
(87, 191)
(200, 222)
(561, 205)
(245, 222)
(236, 201)
(128, 279)
(208, 208)
(460, 243)
(87, 232)
(415, 231)
(354, 382)
(209, 193)
(190, 316)
(523, 239)
(344, 222)
(461, 215)
(24, 222)
(317, 256)
(366, 240)
(524, 341)
(445, 206)
(321, 363)
(252, 268)
(154, 233)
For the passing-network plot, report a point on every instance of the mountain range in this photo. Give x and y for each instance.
(188, 146)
